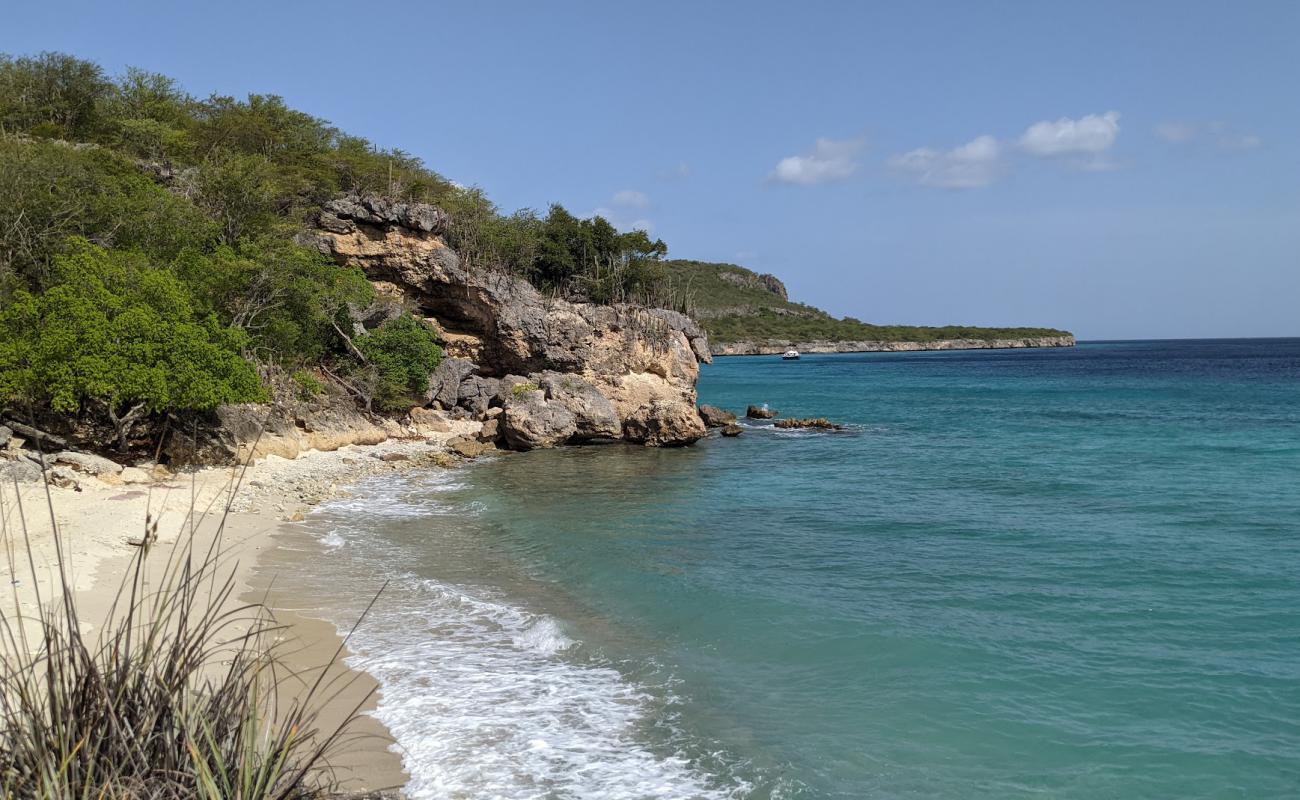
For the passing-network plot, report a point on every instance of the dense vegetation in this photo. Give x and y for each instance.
(733, 306)
(147, 262)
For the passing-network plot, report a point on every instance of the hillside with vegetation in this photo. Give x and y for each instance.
(735, 304)
(148, 262)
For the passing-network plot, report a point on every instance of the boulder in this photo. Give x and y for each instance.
(530, 422)
(88, 463)
(662, 425)
(715, 417)
(6, 433)
(64, 478)
(732, 430)
(444, 383)
(491, 430)
(817, 422)
(760, 412)
(593, 413)
(477, 394)
(22, 470)
(384, 308)
(134, 475)
(428, 420)
(36, 436)
(469, 447)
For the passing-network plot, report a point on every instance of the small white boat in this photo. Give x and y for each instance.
(791, 355)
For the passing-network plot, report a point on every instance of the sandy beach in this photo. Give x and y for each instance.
(98, 522)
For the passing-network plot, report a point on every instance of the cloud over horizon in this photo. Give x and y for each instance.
(829, 160)
(631, 198)
(1217, 133)
(1089, 135)
(970, 166)
(1081, 143)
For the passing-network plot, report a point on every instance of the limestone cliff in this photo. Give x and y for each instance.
(773, 347)
(642, 362)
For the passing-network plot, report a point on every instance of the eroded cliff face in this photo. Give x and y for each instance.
(773, 347)
(507, 342)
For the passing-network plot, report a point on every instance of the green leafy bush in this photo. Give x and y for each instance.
(308, 385)
(401, 353)
(120, 337)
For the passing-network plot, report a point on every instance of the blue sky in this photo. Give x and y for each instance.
(1118, 169)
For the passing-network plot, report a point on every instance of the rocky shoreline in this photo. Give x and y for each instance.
(775, 347)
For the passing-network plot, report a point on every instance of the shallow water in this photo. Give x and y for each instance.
(1058, 573)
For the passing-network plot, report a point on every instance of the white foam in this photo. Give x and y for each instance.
(483, 695)
(483, 704)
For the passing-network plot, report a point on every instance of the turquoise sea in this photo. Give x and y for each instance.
(1018, 574)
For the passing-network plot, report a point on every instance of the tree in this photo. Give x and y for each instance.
(400, 355)
(52, 95)
(117, 336)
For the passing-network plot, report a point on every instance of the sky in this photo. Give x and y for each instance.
(1122, 170)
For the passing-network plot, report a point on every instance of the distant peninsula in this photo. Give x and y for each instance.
(747, 313)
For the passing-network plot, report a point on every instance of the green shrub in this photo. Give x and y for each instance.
(120, 336)
(521, 389)
(308, 385)
(401, 354)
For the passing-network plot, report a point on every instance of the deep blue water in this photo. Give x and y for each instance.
(1018, 574)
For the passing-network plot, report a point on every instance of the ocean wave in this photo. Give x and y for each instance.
(483, 703)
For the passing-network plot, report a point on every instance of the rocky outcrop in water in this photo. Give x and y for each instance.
(715, 417)
(774, 347)
(640, 364)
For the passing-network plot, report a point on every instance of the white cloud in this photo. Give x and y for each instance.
(1090, 135)
(631, 198)
(973, 165)
(830, 160)
(678, 172)
(615, 218)
(1176, 132)
(1217, 133)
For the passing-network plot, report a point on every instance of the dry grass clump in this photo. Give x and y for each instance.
(183, 694)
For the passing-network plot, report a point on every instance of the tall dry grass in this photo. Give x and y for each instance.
(184, 693)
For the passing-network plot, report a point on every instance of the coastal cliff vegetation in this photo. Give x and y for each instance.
(735, 304)
(148, 262)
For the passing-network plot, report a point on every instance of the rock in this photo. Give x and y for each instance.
(42, 460)
(664, 426)
(760, 412)
(494, 411)
(732, 430)
(477, 394)
(133, 475)
(394, 457)
(6, 433)
(715, 417)
(491, 430)
(35, 435)
(444, 383)
(428, 421)
(469, 447)
(22, 470)
(818, 422)
(641, 360)
(530, 422)
(88, 463)
(384, 308)
(64, 478)
(593, 413)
